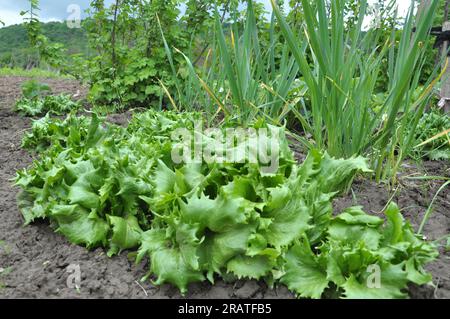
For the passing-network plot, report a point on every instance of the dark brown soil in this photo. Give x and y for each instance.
(34, 260)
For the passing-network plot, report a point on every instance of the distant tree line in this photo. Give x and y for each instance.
(15, 49)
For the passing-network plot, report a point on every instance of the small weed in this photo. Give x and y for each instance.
(6, 248)
(3, 273)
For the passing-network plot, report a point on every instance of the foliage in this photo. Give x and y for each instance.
(52, 104)
(357, 246)
(47, 131)
(52, 52)
(440, 19)
(430, 125)
(104, 185)
(16, 51)
(130, 59)
(126, 61)
(338, 87)
(101, 168)
(387, 21)
(33, 89)
(36, 101)
(343, 77)
(247, 73)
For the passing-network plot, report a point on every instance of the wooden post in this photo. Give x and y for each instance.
(445, 89)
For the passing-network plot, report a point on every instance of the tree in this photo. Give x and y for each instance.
(131, 60)
(52, 53)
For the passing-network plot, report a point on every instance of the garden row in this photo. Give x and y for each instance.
(104, 185)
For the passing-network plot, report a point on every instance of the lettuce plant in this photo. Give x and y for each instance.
(104, 185)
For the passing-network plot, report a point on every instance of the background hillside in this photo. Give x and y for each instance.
(15, 50)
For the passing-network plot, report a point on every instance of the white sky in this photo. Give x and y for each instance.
(56, 10)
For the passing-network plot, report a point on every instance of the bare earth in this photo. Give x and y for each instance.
(34, 259)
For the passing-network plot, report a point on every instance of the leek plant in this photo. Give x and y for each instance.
(325, 75)
(257, 83)
(341, 81)
(240, 78)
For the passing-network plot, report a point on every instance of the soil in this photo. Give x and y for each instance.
(34, 260)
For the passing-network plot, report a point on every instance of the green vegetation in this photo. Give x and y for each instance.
(33, 101)
(46, 131)
(33, 89)
(343, 81)
(327, 90)
(355, 99)
(129, 60)
(243, 80)
(4, 273)
(15, 50)
(432, 125)
(55, 105)
(32, 73)
(103, 185)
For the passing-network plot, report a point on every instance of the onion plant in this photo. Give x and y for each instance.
(338, 66)
(342, 76)
(240, 77)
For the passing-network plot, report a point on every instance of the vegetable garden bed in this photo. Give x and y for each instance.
(37, 259)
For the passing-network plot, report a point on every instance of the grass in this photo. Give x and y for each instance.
(33, 73)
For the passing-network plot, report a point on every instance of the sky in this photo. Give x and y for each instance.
(57, 10)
